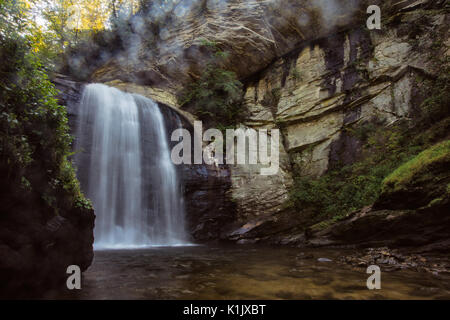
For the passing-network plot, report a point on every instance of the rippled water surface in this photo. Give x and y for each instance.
(243, 272)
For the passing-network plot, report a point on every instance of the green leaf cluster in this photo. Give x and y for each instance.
(34, 133)
(216, 96)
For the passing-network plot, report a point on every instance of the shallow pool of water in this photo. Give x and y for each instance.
(243, 272)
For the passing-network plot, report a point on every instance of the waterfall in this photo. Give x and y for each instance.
(124, 165)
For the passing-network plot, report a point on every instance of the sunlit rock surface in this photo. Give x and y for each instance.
(253, 32)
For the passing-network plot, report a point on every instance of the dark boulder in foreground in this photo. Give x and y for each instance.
(36, 246)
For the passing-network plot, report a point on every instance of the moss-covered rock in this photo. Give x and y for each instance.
(418, 182)
(412, 209)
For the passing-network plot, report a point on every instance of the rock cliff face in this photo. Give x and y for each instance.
(325, 87)
(339, 81)
(319, 92)
(254, 32)
(312, 82)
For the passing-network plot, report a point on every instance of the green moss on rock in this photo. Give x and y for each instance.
(418, 182)
(420, 166)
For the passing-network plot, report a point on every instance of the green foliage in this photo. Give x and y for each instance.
(34, 134)
(12, 17)
(17, 21)
(208, 43)
(297, 75)
(437, 105)
(363, 132)
(338, 193)
(345, 189)
(419, 165)
(271, 99)
(216, 97)
(29, 110)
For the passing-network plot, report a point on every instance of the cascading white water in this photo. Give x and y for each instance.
(128, 174)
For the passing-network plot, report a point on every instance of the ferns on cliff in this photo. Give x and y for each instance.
(215, 97)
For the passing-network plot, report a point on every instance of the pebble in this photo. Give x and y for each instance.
(324, 260)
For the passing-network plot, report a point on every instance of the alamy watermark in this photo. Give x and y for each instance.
(374, 281)
(74, 280)
(374, 20)
(243, 146)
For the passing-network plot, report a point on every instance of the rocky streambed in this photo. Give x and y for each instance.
(258, 272)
